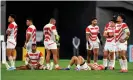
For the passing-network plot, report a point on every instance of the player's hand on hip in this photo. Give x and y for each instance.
(122, 40)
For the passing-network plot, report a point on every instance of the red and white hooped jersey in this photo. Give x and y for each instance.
(31, 30)
(120, 30)
(49, 31)
(110, 29)
(93, 31)
(13, 30)
(34, 57)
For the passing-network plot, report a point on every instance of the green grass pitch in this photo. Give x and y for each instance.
(66, 75)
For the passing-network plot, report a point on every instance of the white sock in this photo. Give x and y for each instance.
(105, 62)
(111, 63)
(48, 66)
(125, 64)
(78, 66)
(7, 66)
(56, 66)
(69, 66)
(121, 63)
(12, 63)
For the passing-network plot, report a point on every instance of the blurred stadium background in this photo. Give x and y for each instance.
(72, 19)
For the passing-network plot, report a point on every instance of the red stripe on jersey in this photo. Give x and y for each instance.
(11, 43)
(53, 27)
(110, 40)
(11, 26)
(50, 44)
(87, 30)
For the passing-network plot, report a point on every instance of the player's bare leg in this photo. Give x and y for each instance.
(124, 59)
(14, 57)
(111, 63)
(74, 60)
(105, 59)
(55, 58)
(89, 56)
(48, 58)
(10, 58)
(95, 51)
(58, 53)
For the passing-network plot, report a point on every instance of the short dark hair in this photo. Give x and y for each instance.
(122, 16)
(94, 19)
(113, 20)
(30, 19)
(13, 16)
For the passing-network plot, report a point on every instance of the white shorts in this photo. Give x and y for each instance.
(29, 47)
(111, 47)
(85, 67)
(122, 46)
(11, 44)
(50, 44)
(92, 45)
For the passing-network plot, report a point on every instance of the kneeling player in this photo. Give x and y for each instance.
(79, 62)
(34, 60)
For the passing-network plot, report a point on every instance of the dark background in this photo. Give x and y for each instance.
(72, 19)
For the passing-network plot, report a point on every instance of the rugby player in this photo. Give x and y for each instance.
(92, 32)
(82, 65)
(34, 60)
(11, 41)
(30, 35)
(109, 48)
(122, 35)
(50, 38)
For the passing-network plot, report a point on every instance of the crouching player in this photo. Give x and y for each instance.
(109, 48)
(34, 60)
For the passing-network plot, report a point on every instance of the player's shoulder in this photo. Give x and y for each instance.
(32, 26)
(38, 51)
(49, 25)
(14, 23)
(124, 23)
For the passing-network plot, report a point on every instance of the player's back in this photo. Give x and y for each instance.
(32, 30)
(13, 31)
(48, 32)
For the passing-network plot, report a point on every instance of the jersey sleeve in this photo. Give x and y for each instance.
(124, 26)
(29, 30)
(53, 28)
(10, 27)
(87, 30)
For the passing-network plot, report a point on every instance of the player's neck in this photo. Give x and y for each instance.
(34, 51)
(119, 22)
(11, 21)
(93, 25)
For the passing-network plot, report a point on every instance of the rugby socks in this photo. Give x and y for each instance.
(69, 66)
(78, 66)
(7, 66)
(111, 63)
(12, 63)
(105, 61)
(125, 64)
(121, 63)
(48, 66)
